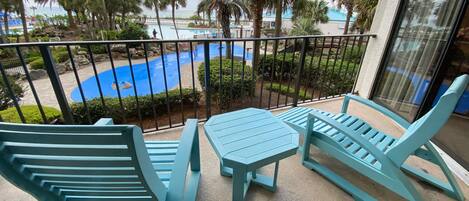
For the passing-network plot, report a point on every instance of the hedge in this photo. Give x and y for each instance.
(329, 76)
(288, 91)
(228, 90)
(5, 98)
(61, 56)
(31, 114)
(113, 109)
(37, 64)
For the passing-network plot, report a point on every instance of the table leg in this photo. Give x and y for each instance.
(239, 177)
(268, 182)
(225, 171)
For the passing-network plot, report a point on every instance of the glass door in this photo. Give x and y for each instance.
(423, 30)
(454, 137)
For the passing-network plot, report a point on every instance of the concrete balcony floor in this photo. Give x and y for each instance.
(295, 181)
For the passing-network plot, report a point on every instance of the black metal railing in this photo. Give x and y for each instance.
(158, 84)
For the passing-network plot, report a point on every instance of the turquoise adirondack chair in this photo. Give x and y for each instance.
(373, 153)
(99, 162)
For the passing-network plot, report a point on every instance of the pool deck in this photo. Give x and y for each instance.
(45, 91)
(295, 181)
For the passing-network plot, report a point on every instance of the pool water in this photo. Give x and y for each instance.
(126, 86)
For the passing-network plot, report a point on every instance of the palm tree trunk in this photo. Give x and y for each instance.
(158, 18)
(71, 21)
(173, 12)
(278, 20)
(209, 15)
(23, 20)
(225, 24)
(257, 9)
(2, 34)
(5, 22)
(111, 25)
(347, 21)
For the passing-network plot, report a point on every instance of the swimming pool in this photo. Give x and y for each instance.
(169, 33)
(106, 78)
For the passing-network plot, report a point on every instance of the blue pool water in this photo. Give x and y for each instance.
(106, 78)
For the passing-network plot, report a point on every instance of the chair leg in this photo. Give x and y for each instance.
(348, 187)
(407, 189)
(451, 187)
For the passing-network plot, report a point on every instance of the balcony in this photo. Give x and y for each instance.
(133, 83)
(295, 181)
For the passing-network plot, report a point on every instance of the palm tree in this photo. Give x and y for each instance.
(366, 11)
(256, 7)
(314, 10)
(21, 10)
(350, 7)
(225, 10)
(7, 7)
(175, 4)
(155, 4)
(68, 6)
(304, 27)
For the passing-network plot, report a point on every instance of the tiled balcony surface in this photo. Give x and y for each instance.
(295, 181)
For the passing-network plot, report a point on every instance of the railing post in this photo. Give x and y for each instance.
(207, 79)
(56, 84)
(300, 71)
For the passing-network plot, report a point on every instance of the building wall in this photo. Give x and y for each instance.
(332, 27)
(383, 21)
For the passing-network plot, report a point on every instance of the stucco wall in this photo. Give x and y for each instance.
(382, 26)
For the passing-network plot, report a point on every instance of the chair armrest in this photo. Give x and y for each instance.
(104, 122)
(355, 136)
(395, 117)
(188, 146)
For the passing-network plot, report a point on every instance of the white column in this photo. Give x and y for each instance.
(386, 13)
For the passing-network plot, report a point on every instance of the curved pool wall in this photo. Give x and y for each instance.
(106, 78)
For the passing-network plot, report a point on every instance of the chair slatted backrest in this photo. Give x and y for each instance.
(422, 130)
(78, 162)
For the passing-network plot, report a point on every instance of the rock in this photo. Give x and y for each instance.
(170, 47)
(150, 53)
(100, 57)
(138, 55)
(118, 48)
(61, 68)
(81, 60)
(37, 74)
(115, 55)
(155, 49)
(132, 51)
(84, 53)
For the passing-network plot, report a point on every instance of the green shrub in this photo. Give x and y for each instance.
(228, 90)
(31, 114)
(191, 24)
(37, 64)
(61, 56)
(133, 32)
(113, 109)
(354, 55)
(5, 100)
(98, 49)
(288, 91)
(328, 76)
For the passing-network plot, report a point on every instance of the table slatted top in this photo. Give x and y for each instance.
(250, 135)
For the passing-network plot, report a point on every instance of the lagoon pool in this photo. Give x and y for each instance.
(106, 78)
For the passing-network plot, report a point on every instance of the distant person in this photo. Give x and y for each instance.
(154, 33)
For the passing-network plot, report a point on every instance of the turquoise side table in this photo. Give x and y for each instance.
(246, 140)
